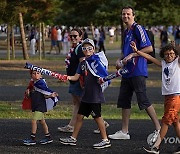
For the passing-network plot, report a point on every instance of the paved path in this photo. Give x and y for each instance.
(15, 93)
(14, 131)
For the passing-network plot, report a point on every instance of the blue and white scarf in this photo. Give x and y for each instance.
(98, 66)
(41, 87)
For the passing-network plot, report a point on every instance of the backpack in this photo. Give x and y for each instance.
(151, 38)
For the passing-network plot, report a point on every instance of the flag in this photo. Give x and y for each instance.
(98, 66)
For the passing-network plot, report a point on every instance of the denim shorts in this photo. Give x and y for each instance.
(75, 89)
(128, 86)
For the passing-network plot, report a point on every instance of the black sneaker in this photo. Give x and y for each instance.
(102, 144)
(29, 142)
(68, 141)
(177, 151)
(46, 141)
(152, 150)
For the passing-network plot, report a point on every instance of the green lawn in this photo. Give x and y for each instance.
(63, 111)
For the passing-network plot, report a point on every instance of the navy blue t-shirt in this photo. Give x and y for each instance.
(38, 101)
(92, 92)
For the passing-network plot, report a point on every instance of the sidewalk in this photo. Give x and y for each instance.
(14, 131)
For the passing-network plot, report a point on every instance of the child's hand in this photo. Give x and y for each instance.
(54, 94)
(119, 64)
(133, 46)
(100, 80)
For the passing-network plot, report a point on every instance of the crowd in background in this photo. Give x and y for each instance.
(60, 40)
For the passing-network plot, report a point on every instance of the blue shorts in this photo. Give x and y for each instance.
(128, 86)
(53, 42)
(75, 89)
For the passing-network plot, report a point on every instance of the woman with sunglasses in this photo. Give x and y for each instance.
(72, 60)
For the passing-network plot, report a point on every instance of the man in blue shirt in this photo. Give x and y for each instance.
(135, 80)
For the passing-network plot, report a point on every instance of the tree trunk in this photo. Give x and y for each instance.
(39, 41)
(43, 39)
(12, 42)
(23, 37)
(8, 41)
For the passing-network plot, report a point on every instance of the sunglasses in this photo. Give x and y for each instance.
(71, 36)
(89, 48)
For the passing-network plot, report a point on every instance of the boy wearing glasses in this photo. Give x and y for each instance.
(170, 89)
(92, 94)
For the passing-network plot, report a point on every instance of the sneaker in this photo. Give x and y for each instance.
(152, 150)
(46, 141)
(97, 131)
(29, 142)
(102, 144)
(152, 138)
(66, 129)
(68, 141)
(119, 135)
(177, 151)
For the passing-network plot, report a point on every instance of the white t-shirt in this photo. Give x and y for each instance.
(170, 77)
(111, 32)
(59, 35)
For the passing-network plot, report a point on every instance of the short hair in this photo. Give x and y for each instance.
(169, 47)
(129, 7)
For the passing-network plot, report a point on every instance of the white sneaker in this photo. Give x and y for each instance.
(66, 129)
(102, 144)
(119, 135)
(97, 131)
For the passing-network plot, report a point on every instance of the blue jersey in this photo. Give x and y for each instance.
(138, 65)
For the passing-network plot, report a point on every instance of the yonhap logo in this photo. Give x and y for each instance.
(172, 140)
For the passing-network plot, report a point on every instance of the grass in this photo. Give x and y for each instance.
(12, 110)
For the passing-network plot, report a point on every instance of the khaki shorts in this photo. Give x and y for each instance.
(38, 115)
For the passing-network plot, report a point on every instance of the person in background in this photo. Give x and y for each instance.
(59, 39)
(102, 37)
(164, 37)
(53, 40)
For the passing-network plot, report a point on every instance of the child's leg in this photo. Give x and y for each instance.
(101, 126)
(163, 132)
(44, 125)
(76, 103)
(177, 127)
(33, 129)
(78, 125)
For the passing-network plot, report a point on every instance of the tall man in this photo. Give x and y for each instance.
(135, 80)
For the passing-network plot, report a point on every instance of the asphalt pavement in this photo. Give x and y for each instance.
(14, 131)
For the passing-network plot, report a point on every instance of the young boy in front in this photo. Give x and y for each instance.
(92, 96)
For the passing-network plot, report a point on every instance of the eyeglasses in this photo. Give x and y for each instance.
(71, 36)
(89, 48)
(169, 54)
